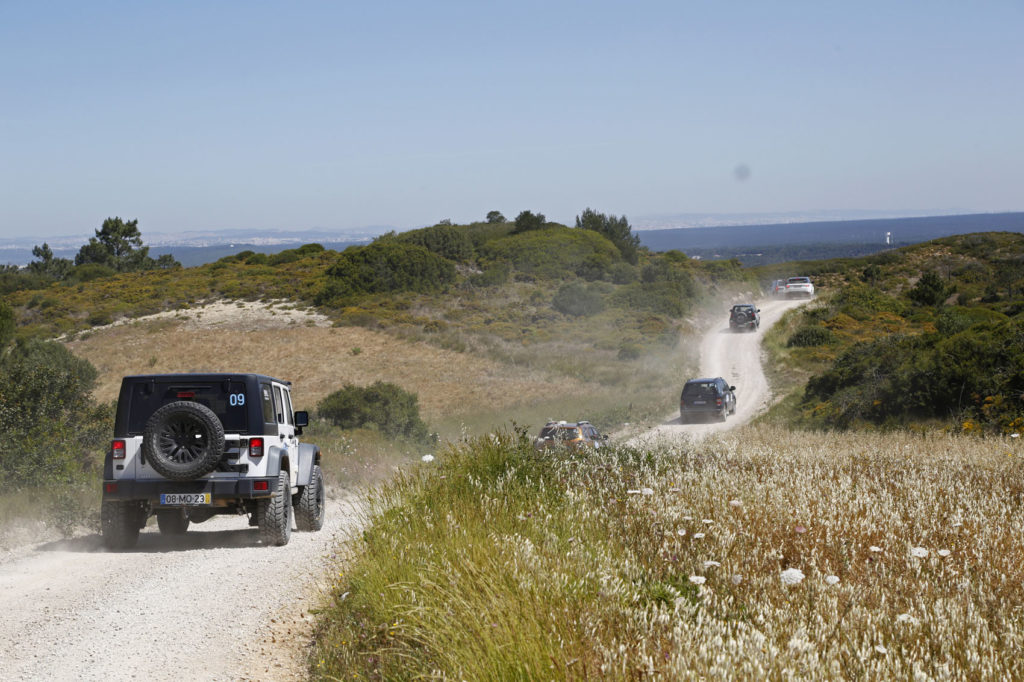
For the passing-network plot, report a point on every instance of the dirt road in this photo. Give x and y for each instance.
(736, 356)
(211, 605)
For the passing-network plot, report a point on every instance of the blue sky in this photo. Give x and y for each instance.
(333, 115)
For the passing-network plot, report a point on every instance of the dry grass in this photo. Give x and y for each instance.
(761, 554)
(317, 360)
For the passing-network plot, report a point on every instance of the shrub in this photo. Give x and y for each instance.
(810, 335)
(553, 252)
(493, 276)
(49, 426)
(578, 300)
(623, 273)
(929, 290)
(385, 267)
(384, 406)
(527, 220)
(446, 241)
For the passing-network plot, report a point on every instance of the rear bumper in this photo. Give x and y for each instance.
(150, 491)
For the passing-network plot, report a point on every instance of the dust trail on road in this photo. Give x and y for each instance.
(736, 356)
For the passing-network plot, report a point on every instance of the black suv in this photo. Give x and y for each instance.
(190, 446)
(707, 397)
(744, 316)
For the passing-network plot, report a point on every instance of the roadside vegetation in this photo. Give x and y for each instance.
(764, 553)
(930, 334)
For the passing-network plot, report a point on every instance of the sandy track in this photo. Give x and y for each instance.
(736, 356)
(211, 605)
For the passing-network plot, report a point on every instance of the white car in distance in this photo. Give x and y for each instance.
(799, 286)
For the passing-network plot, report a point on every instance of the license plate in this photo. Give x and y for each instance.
(186, 499)
(700, 402)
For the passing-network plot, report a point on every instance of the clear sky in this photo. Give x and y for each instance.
(341, 115)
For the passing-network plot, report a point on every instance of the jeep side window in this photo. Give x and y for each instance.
(279, 402)
(268, 404)
(288, 406)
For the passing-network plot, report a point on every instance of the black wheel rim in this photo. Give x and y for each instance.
(182, 440)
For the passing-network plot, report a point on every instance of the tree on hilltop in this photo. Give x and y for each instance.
(527, 220)
(495, 217)
(118, 245)
(617, 230)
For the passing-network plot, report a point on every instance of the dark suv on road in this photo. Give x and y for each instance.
(188, 447)
(744, 316)
(707, 398)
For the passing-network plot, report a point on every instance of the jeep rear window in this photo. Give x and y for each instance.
(225, 398)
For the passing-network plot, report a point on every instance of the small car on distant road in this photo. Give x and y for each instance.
(711, 397)
(744, 316)
(580, 434)
(799, 287)
(777, 287)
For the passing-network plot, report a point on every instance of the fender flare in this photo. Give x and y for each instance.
(309, 455)
(275, 457)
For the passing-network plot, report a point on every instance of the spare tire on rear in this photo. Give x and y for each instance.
(183, 440)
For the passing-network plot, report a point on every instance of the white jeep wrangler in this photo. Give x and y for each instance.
(190, 446)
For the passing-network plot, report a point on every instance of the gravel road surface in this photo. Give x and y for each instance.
(736, 356)
(213, 604)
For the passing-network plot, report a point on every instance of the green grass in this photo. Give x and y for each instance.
(495, 562)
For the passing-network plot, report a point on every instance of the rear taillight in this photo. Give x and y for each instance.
(718, 402)
(255, 447)
(260, 485)
(117, 449)
(110, 487)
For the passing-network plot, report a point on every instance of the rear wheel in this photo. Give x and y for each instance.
(309, 512)
(275, 514)
(120, 523)
(172, 521)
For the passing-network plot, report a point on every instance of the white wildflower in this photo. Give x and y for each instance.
(681, 532)
(906, 618)
(881, 649)
(698, 579)
(875, 548)
(832, 579)
(427, 458)
(735, 503)
(687, 518)
(711, 564)
(675, 490)
(698, 536)
(919, 553)
(1014, 435)
(633, 491)
(792, 576)
(707, 522)
(647, 491)
(944, 553)
(736, 579)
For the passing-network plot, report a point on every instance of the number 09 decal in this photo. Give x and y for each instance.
(236, 399)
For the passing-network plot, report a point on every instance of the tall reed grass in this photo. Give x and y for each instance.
(760, 554)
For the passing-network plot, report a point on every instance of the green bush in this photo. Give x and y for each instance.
(292, 255)
(553, 252)
(930, 290)
(385, 267)
(630, 351)
(446, 241)
(578, 300)
(810, 335)
(384, 406)
(50, 428)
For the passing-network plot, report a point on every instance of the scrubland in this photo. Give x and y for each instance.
(763, 553)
